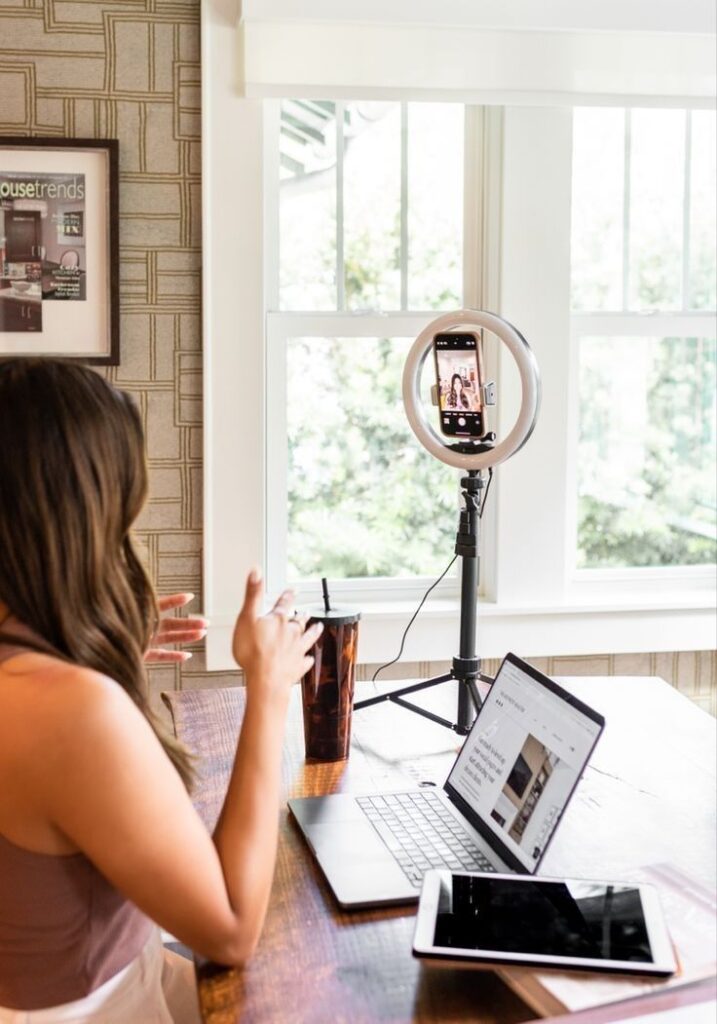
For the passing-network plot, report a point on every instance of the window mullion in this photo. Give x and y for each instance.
(626, 213)
(611, 325)
(686, 205)
(272, 241)
(340, 265)
(533, 515)
(349, 324)
(277, 455)
(404, 206)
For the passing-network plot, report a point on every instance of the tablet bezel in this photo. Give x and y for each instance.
(663, 964)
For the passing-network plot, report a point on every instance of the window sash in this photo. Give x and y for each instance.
(684, 322)
(685, 283)
(272, 157)
(599, 581)
(280, 328)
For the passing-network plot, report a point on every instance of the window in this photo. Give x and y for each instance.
(515, 258)
(644, 273)
(367, 245)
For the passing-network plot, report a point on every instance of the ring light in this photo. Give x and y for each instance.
(466, 668)
(529, 381)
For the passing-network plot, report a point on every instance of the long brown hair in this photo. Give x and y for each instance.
(73, 478)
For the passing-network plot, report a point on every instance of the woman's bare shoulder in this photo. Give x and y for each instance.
(65, 731)
(43, 698)
(32, 675)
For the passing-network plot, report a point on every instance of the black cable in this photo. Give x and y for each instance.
(413, 619)
(487, 488)
(432, 587)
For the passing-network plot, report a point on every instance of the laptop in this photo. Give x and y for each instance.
(497, 811)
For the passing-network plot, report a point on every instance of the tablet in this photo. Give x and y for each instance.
(543, 922)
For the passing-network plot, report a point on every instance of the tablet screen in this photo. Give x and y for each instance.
(590, 920)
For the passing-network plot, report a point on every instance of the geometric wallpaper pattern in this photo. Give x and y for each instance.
(130, 70)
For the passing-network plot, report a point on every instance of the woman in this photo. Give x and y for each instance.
(457, 397)
(99, 842)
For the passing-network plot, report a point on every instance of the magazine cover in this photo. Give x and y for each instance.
(42, 245)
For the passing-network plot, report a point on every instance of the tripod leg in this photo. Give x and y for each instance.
(469, 704)
(475, 696)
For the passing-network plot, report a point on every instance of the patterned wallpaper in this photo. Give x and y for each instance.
(129, 69)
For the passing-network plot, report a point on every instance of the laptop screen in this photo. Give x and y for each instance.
(523, 758)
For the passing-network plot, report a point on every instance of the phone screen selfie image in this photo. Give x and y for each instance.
(459, 377)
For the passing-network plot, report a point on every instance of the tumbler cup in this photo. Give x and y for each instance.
(328, 687)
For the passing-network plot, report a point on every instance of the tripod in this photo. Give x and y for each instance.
(466, 667)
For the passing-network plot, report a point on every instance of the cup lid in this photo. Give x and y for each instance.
(334, 617)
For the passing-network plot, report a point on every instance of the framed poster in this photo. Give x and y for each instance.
(59, 248)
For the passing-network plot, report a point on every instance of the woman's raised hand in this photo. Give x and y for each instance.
(175, 630)
(272, 648)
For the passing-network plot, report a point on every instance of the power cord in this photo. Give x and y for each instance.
(433, 585)
(412, 620)
(487, 488)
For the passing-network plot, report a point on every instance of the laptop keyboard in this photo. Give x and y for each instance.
(421, 833)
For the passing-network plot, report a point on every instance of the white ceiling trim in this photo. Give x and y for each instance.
(365, 60)
(587, 15)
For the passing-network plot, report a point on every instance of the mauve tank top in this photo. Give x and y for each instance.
(64, 929)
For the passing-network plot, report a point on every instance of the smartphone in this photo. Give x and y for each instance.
(459, 383)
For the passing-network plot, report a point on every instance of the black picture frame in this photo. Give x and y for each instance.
(59, 292)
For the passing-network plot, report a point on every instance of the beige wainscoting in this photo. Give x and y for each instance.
(693, 673)
(131, 71)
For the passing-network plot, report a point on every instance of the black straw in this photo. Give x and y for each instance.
(325, 592)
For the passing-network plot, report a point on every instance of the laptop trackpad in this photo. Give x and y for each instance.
(358, 866)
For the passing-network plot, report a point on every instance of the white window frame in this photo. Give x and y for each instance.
(530, 604)
(665, 580)
(627, 323)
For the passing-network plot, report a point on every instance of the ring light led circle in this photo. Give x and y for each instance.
(529, 381)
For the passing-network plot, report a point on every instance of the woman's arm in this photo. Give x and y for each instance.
(247, 830)
(100, 775)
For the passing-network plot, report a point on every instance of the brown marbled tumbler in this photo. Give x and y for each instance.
(328, 688)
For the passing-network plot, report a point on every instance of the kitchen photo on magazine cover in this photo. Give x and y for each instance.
(56, 228)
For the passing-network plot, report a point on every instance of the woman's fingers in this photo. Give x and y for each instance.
(312, 634)
(182, 624)
(284, 604)
(170, 601)
(173, 629)
(157, 654)
(251, 608)
(306, 664)
(177, 635)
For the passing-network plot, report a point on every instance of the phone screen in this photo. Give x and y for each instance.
(459, 376)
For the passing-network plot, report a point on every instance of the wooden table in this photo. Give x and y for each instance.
(648, 796)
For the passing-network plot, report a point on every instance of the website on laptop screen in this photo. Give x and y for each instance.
(521, 761)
